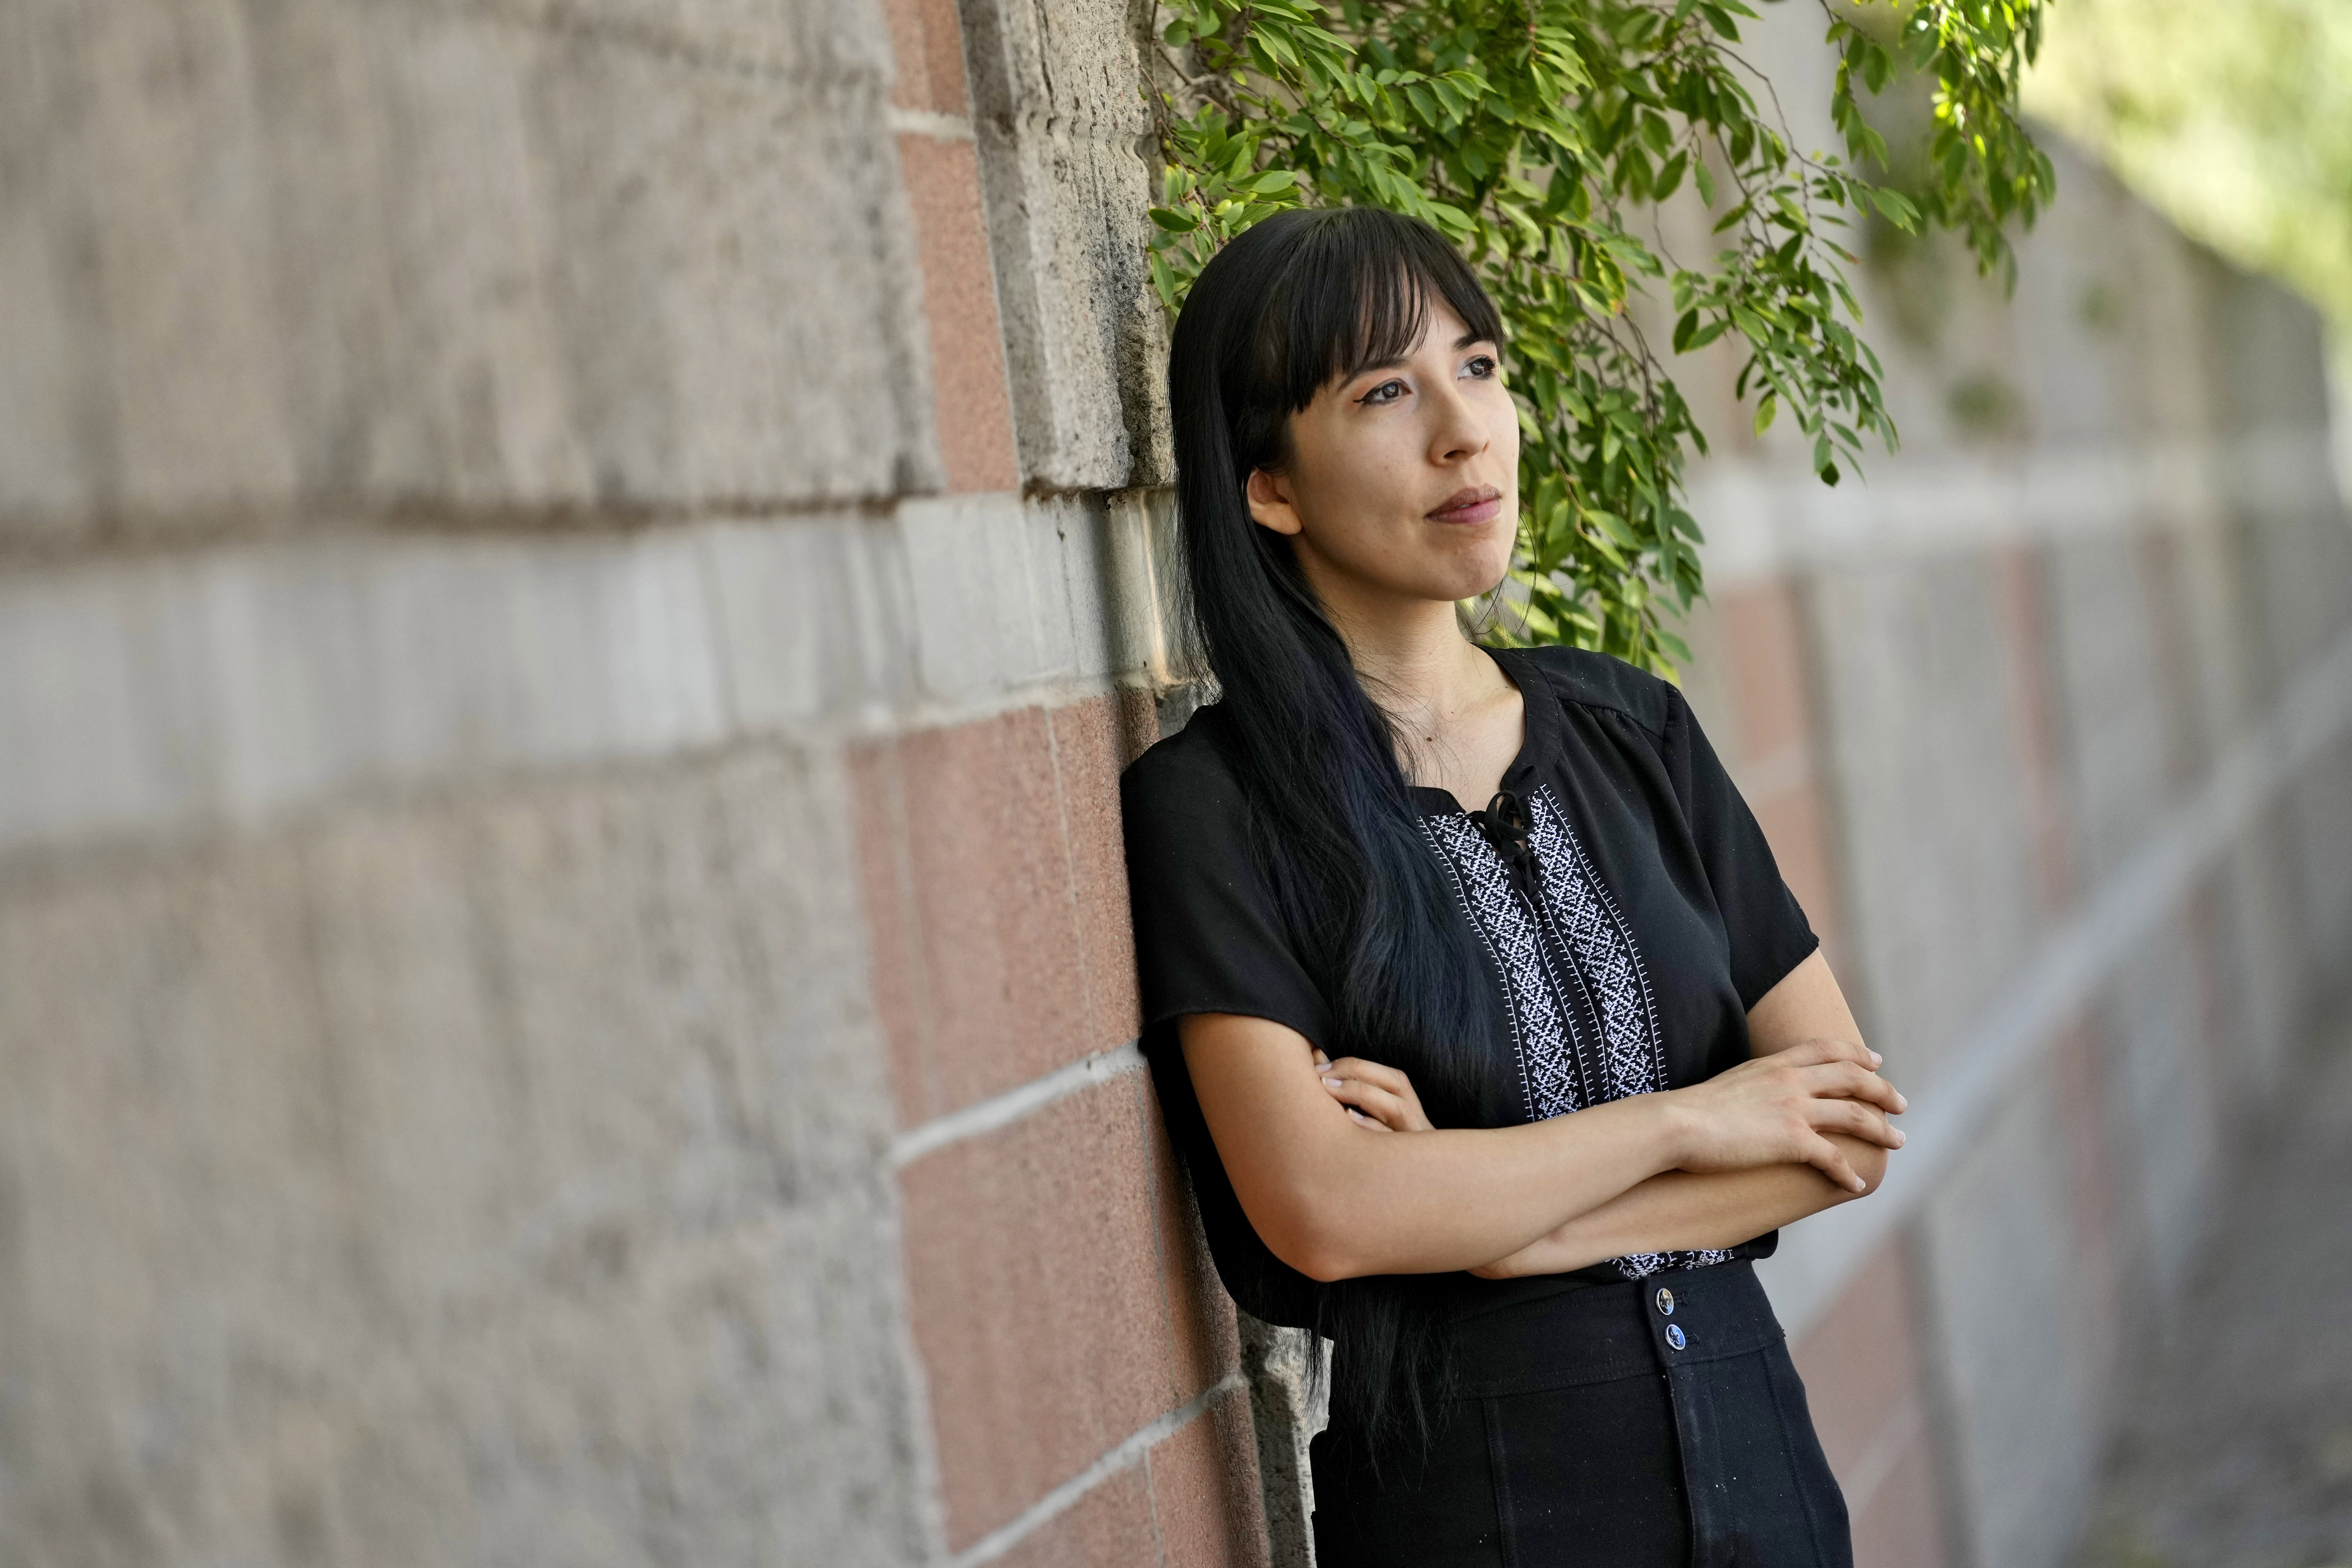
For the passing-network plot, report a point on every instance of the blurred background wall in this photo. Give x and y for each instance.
(575, 576)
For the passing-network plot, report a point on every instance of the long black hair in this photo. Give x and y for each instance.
(1302, 299)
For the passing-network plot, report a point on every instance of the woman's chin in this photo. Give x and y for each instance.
(1472, 578)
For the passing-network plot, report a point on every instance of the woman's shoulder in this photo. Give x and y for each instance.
(1189, 775)
(1600, 680)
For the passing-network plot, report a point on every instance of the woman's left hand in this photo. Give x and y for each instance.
(1379, 1098)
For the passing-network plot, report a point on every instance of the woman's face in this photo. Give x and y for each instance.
(1403, 478)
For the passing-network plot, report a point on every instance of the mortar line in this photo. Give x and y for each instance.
(1061, 1498)
(1015, 1104)
(929, 123)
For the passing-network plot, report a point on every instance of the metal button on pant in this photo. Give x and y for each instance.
(1711, 1461)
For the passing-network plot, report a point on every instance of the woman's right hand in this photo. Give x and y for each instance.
(1774, 1110)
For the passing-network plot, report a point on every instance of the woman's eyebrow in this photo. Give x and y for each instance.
(1467, 340)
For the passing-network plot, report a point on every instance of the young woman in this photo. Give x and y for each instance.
(1590, 1004)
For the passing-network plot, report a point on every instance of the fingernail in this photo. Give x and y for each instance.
(1898, 1138)
(1900, 1103)
(1875, 1059)
(1330, 1083)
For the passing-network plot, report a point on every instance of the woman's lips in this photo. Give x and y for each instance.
(1481, 504)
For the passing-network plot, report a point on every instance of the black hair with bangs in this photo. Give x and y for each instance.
(1302, 299)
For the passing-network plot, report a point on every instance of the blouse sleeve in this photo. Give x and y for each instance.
(1208, 935)
(1209, 939)
(1767, 930)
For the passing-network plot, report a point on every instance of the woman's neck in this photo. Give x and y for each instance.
(1413, 660)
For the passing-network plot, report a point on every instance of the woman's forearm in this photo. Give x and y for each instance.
(1679, 1210)
(1334, 1201)
(1439, 1201)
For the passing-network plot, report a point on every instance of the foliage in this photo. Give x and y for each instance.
(2240, 133)
(1535, 134)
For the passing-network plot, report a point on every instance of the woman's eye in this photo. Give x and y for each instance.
(1482, 365)
(1386, 392)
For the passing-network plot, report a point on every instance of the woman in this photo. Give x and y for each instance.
(1590, 1002)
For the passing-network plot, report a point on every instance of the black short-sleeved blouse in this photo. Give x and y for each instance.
(1655, 919)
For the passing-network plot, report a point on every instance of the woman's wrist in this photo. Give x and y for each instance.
(1673, 1132)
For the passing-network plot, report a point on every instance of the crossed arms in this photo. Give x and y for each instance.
(1801, 1126)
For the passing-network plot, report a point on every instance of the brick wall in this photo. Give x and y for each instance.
(565, 574)
(574, 582)
(1981, 701)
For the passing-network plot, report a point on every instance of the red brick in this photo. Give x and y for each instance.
(1110, 1527)
(1763, 652)
(928, 41)
(1862, 1377)
(2086, 1099)
(893, 939)
(1036, 1298)
(997, 890)
(2020, 597)
(1204, 1490)
(996, 906)
(1086, 754)
(2173, 643)
(1796, 824)
(971, 398)
(1138, 724)
(1204, 1336)
(1901, 1523)
(1859, 1363)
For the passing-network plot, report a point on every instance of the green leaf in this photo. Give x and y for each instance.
(1896, 208)
(1610, 524)
(1669, 177)
(1528, 132)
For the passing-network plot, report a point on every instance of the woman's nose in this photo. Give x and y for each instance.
(1460, 433)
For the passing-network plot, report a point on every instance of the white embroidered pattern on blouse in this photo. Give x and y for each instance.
(1606, 958)
(1590, 950)
(1540, 1032)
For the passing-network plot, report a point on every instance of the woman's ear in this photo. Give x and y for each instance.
(1270, 503)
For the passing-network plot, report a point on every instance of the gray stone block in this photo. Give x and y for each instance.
(2023, 1352)
(814, 615)
(243, 682)
(407, 257)
(2123, 745)
(499, 1182)
(2164, 1118)
(1289, 1373)
(1005, 595)
(806, 40)
(1933, 824)
(1069, 163)
(2260, 962)
(237, 683)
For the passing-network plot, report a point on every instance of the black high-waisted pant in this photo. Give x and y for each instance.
(1653, 1423)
